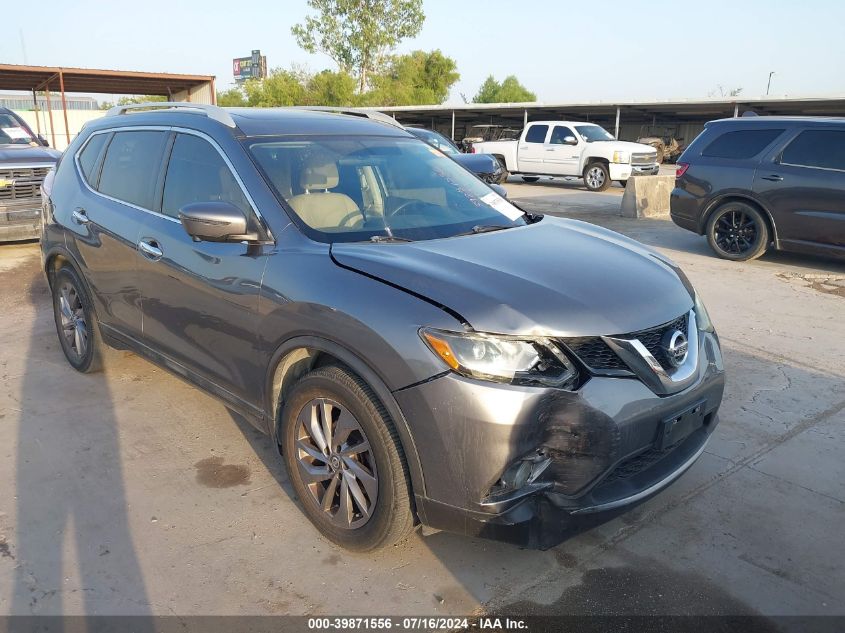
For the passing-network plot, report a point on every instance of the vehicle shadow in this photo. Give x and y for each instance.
(74, 553)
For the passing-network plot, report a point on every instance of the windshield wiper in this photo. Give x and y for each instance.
(380, 239)
(484, 228)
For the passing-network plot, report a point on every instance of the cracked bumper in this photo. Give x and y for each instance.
(474, 431)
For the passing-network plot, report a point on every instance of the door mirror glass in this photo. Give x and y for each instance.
(570, 140)
(215, 222)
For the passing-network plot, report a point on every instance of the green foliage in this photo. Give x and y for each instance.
(416, 78)
(280, 88)
(509, 91)
(127, 100)
(331, 89)
(358, 34)
(232, 98)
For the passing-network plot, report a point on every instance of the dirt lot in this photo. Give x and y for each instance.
(130, 492)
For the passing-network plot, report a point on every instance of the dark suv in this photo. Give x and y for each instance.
(753, 181)
(420, 349)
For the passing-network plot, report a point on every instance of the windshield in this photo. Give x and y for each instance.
(348, 189)
(592, 133)
(435, 139)
(12, 132)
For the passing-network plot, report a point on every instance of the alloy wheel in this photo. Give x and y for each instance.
(595, 177)
(735, 232)
(335, 463)
(74, 325)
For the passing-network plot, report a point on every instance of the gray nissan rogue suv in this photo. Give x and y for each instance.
(421, 350)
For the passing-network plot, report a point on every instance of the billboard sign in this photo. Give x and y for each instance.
(252, 67)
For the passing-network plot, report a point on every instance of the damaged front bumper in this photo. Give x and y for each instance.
(535, 465)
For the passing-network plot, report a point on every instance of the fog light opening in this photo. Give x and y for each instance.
(522, 472)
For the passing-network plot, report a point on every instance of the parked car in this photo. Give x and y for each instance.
(567, 148)
(420, 349)
(753, 182)
(24, 162)
(484, 166)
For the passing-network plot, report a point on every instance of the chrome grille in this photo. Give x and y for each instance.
(596, 355)
(643, 158)
(25, 182)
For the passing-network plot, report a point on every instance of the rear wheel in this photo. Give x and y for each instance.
(737, 231)
(531, 178)
(76, 323)
(596, 177)
(345, 461)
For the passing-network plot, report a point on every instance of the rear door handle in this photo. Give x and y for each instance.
(149, 248)
(79, 216)
(772, 177)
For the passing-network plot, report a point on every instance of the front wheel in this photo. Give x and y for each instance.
(345, 461)
(737, 231)
(596, 177)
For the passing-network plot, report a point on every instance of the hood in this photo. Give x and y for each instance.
(478, 163)
(628, 146)
(17, 154)
(555, 277)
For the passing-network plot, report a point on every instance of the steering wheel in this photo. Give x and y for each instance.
(347, 219)
(407, 204)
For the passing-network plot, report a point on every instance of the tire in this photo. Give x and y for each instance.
(596, 177)
(530, 178)
(737, 231)
(623, 183)
(76, 322)
(379, 472)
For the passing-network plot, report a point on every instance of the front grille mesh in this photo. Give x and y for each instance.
(595, 353)
(643, 159)
(26, 183)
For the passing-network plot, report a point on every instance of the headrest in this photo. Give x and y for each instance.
(319, 173)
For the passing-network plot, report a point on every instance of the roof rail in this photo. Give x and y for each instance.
(375, 115)
(211, 111)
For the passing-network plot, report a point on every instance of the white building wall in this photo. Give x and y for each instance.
(57, 137)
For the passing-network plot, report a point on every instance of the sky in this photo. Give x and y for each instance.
(563, 51)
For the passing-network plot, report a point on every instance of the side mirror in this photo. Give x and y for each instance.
(499, 189)
(43, 141)
(215, 222)
(570, 140)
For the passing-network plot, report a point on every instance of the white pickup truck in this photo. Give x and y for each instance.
(570, 148)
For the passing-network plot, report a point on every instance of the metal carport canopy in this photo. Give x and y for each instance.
(61, 79)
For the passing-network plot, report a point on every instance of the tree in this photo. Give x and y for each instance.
(329, 88)
(721, 91)
(232, 98)
(358, 34)
(127, 100)
(416, 78)
(509, 91)
(280, 88)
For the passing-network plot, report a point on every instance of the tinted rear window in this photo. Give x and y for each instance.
(741, 143)
(131, 167)
(88, 157)
(817, 148)
(536, 134)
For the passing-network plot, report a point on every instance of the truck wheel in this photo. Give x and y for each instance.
(531, 178)
(596, 177)
(623, 183)
(737, 231)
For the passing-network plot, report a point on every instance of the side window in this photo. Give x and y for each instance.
(559, 133)
(816, 148)
(740, 144)
(536, 134)
(197, 173)
(90, 154)
(131, 166)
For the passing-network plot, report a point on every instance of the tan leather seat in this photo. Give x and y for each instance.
(318, 207)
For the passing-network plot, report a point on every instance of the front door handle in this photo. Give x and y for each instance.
(772, 177)
(150, 249)
(79, 216)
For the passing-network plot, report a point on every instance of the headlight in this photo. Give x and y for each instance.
(621, 157)
(701, 316)
(505, 359)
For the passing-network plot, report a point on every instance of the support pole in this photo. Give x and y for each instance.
(50, 113)
(616, 133)
(736, 110)
(64, 104)
(37, 118)
(525, 118)
(453, 125)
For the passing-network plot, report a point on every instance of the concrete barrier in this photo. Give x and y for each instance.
(647, 196)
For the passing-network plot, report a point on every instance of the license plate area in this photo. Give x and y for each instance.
(678, 427)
